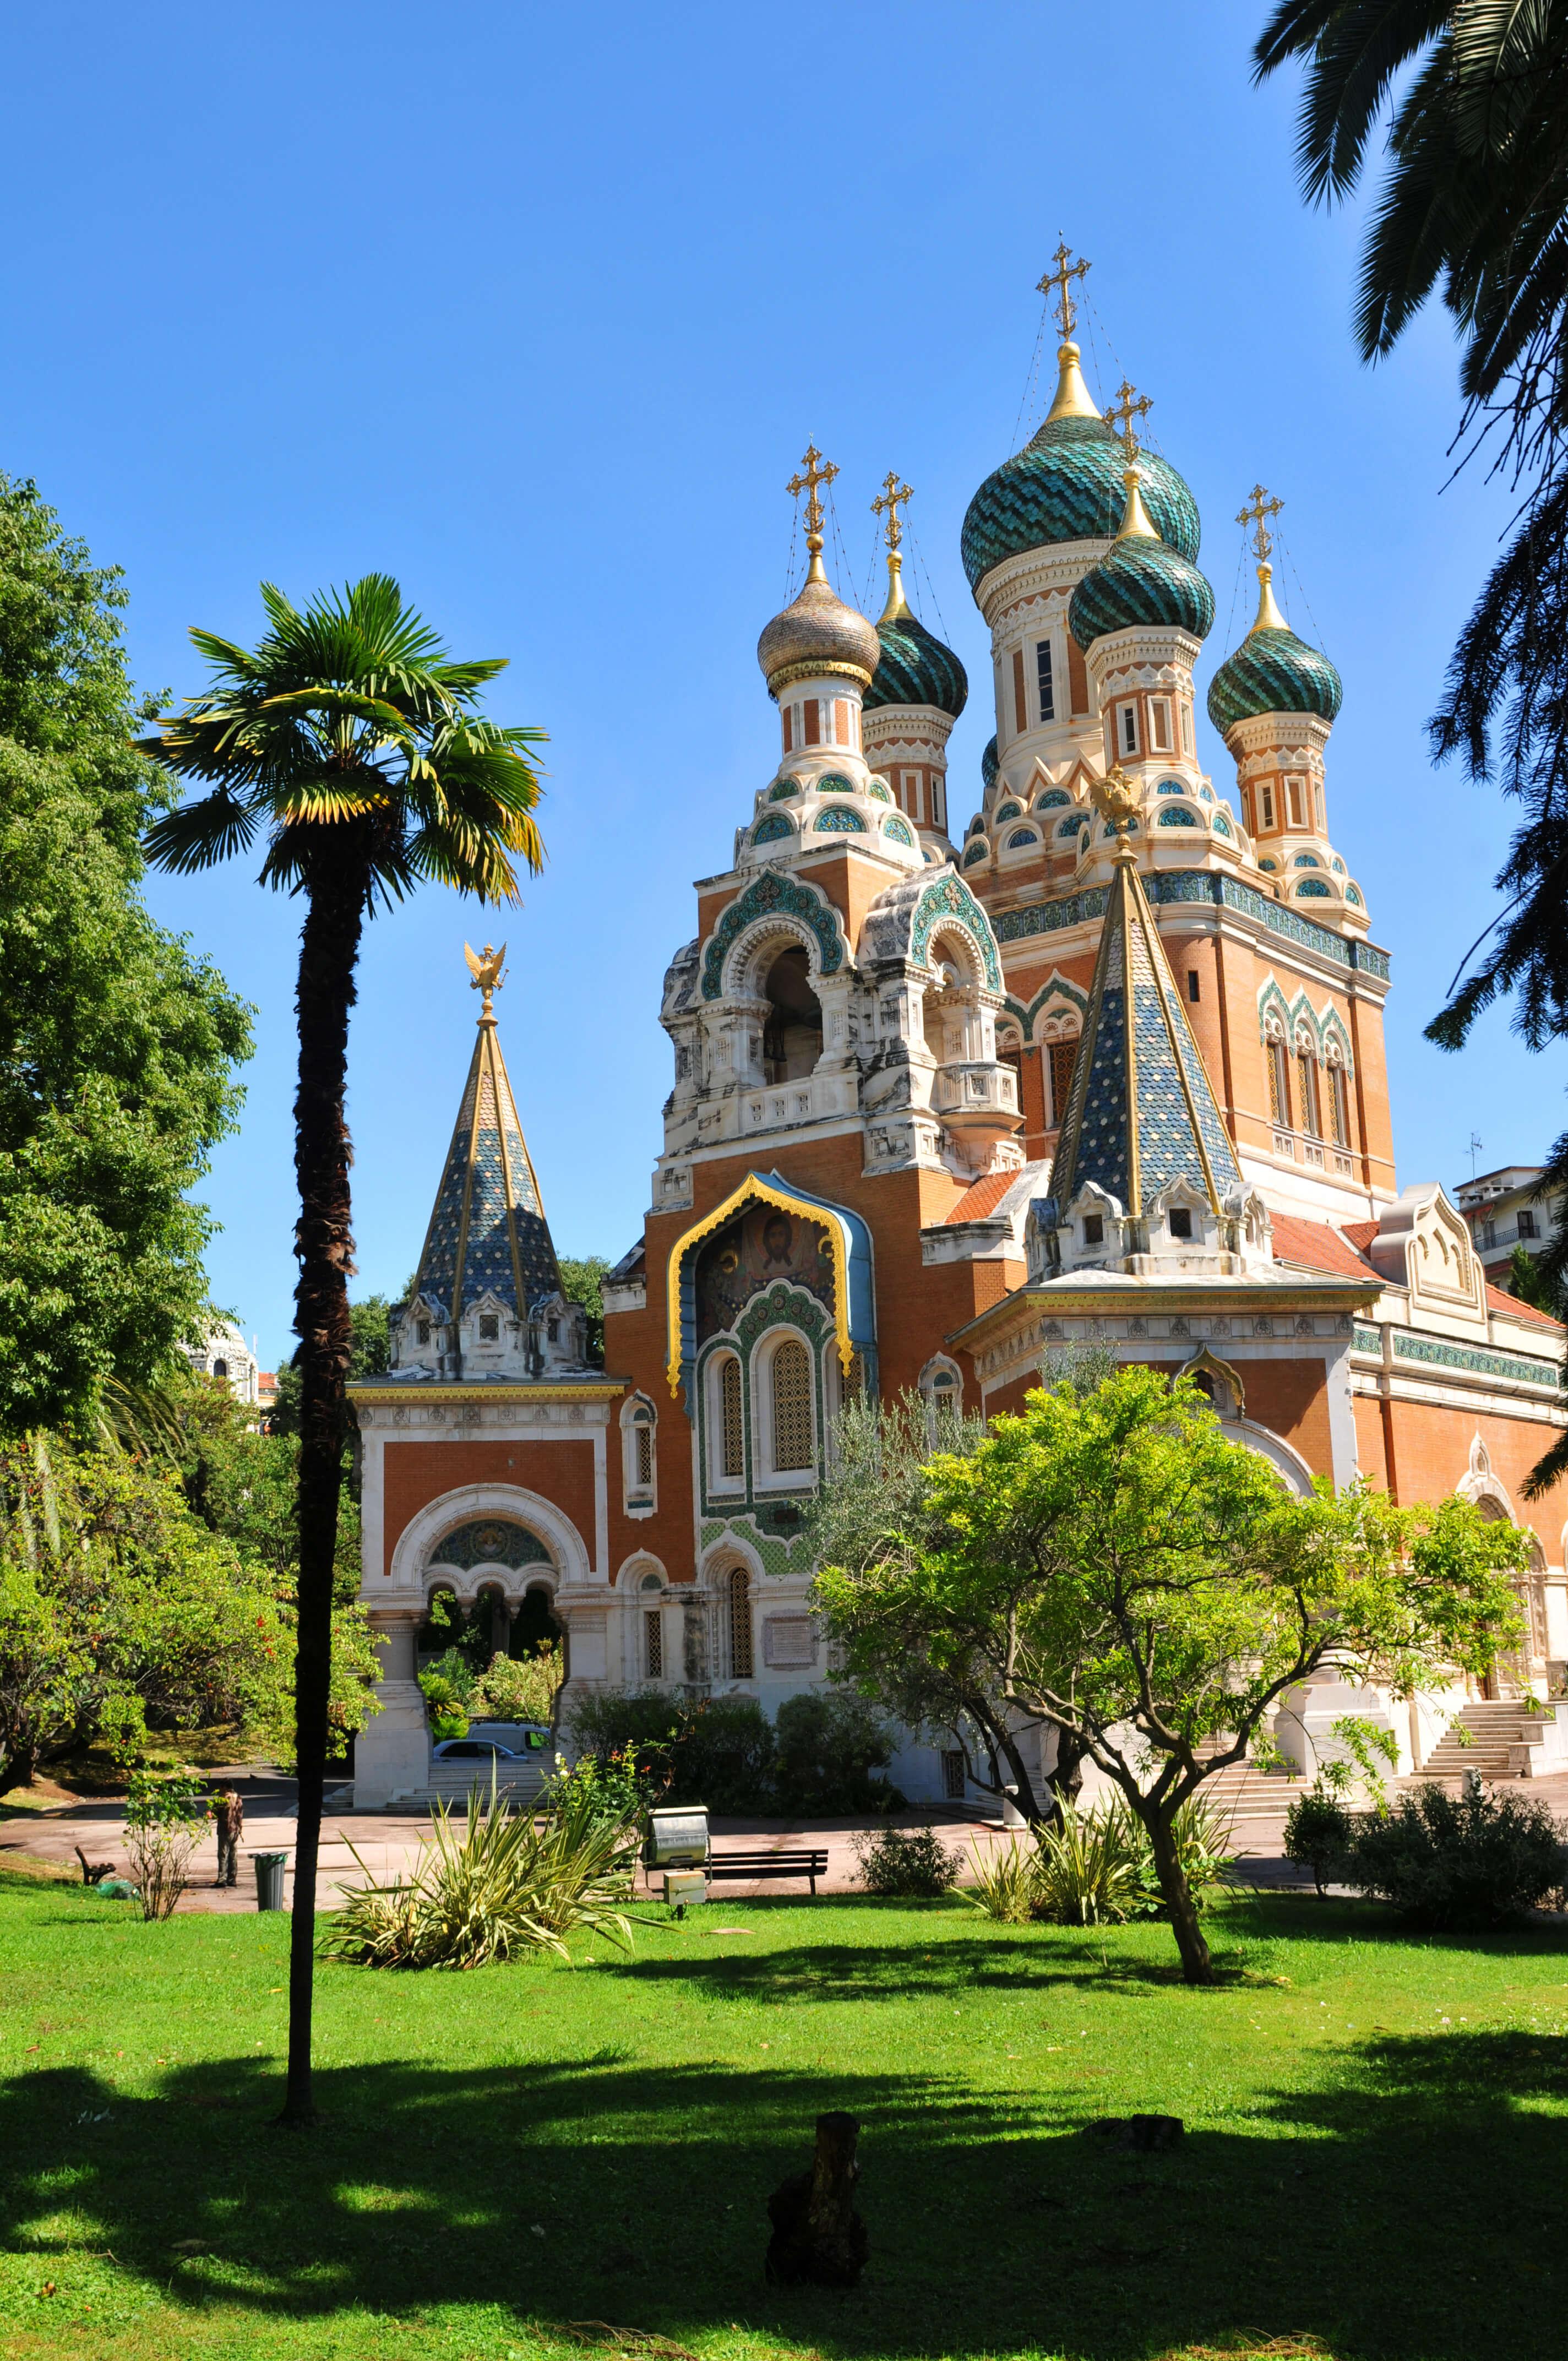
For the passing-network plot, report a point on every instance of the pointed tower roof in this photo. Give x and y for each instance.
(1142, 1112)
(487, 1233)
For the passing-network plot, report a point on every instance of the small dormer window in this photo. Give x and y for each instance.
(1181, 1221)
(424, 1332)
(490, 1328)
(1095, 1229)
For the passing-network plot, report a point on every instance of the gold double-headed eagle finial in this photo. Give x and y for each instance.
(889, 501)
(485, 967)
(1116, 800)
(1257, 512)
(1057, 285)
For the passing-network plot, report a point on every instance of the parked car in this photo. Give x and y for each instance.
(476, 1749)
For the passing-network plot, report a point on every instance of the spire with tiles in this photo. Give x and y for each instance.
(487, 1233)
(1142, 1112)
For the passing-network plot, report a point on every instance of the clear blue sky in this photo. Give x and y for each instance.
(536, 308)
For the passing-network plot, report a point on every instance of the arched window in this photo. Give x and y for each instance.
(1307, 1087)
(739, 1583)
(1062, 1056)
(220, 1369)
(793, 1437)
(1279, 1077)
(639, 1424)
(1339, 1102)
(731, 1419)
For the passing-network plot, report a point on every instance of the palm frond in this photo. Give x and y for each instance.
(198, 835)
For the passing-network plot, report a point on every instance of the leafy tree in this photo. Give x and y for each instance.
(351, 746)
(582, 1281)
(1476, 197)
(1531, 1284)
(117, 1047)
(121, 1612)
(1153, 1592)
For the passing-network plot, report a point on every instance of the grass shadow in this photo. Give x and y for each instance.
(1397, 2210)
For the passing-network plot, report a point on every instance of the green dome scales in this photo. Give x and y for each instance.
(1273, 672)
(1142, 581)
(1066, 485)
(915, 667)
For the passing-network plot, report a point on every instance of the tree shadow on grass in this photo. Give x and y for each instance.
(1405, 2210)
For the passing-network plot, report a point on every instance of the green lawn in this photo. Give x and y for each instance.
(1376, 2150)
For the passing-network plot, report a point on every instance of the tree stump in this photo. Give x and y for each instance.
(819, 2239)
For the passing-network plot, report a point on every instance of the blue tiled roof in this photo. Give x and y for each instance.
(487, 1232)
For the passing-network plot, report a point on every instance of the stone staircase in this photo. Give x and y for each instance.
(449, 1783)
(1506, 1742)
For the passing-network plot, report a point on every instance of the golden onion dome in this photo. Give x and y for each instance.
(817, 633)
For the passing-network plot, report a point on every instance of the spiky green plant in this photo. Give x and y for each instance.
(506, 1884)
(1004, 1884)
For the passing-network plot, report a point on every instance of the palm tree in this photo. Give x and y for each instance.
(1476, 194)
(351, 744)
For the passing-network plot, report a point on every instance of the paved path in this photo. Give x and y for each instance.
(388, 1843)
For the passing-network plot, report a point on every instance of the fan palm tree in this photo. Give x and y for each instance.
(348, 743)
(1477, 195)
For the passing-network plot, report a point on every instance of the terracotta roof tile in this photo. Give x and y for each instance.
(1360, 1234)
(982, 1197)
(1499, 1300)
(1319, 1246)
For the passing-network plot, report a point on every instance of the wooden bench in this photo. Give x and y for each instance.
(804, 1862)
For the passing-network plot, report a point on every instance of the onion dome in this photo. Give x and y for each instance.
(1066, 485)
(1272, 671)
(990, 763)
(915, 668)
(1143, 580)
(817, 633)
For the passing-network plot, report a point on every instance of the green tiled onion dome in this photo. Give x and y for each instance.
(1142, 581)
(915, 668)
(990, 763)
(1272, 671)
(1066, 485)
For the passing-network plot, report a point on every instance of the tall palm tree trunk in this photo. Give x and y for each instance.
(329, 951)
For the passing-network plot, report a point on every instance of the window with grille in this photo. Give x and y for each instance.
(1043, 676)
(731, 1425)
(1279, 1083)
(654, 1643)
(1339, 1096)
(1307, 1074)
(489, 1327)
(1062, 1055)
(644, 1446)
(740, 1624)
(792, 1407)
(953, 1776)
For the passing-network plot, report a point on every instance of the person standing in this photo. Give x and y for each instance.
(228, 1817)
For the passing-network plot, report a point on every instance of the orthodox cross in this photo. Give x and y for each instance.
(893, 497)
(1058, 285)
(1129, 404)
(815, 471)
(1256, 513)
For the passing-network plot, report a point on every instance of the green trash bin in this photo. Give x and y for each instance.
(270, 1868)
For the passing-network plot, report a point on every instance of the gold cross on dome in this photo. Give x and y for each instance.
(815, 471)
(892, 498)
(1057, 285)
(1256, 513)
(1129, 404)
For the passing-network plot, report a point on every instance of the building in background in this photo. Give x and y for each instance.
(1103, 1063)
(1504, 1212)
(224, 1354)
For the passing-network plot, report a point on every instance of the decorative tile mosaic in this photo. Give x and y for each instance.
(1437, 1351)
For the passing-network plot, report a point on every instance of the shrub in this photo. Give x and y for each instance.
(506, 1886)
(831, 1745)
(907, 1863)
(1005, 1884)
(1202, 1847)
(1479, 1859)
(1319, 1832)
(519, 1689)
(612, 1790)
(447, 1679)
(718, 1751)
(1088, 1869)
(164, 1817)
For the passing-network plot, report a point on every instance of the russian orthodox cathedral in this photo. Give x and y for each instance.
(1102, 1064)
